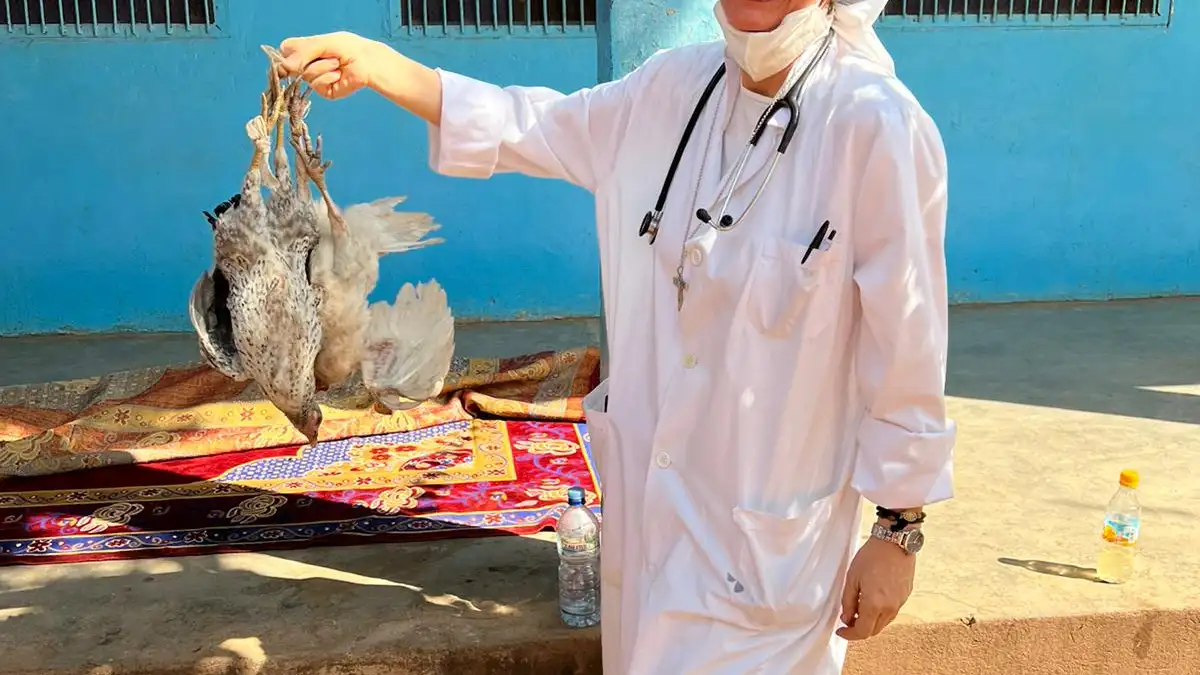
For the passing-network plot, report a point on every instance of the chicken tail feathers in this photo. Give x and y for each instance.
(408, 346)
(210, 318)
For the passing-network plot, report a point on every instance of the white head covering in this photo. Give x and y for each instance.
(854, 23)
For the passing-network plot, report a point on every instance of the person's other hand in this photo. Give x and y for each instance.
(335, 65)
(878, 584)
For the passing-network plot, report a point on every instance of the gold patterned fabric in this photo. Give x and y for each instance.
(157, 414)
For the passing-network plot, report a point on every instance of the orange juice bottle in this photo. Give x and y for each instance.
(1122, 525)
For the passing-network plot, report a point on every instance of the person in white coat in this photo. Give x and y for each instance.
(766, 372)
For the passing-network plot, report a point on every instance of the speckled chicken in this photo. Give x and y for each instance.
(256, 312)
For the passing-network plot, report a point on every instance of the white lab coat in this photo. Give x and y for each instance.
(742, 432)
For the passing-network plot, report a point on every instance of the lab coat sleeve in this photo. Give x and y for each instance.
(539, 132)
(905, 441)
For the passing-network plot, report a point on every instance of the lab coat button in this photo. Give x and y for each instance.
(696, 256)
(663, 460)
(689, 361)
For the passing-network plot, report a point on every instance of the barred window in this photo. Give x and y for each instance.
(92, 17)
(1006, 8)
(475, 15)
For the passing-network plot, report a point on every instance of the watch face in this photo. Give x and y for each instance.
(915, 542)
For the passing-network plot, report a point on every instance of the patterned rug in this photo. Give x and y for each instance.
(460, 478)
(157, 414)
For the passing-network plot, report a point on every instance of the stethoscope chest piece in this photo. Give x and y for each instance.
(650, 225)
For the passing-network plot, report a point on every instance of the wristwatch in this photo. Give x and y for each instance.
(911, 541)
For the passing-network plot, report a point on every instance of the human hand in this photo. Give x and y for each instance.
(878, 584)
(335, 65)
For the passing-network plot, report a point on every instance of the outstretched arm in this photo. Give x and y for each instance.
(479, 129)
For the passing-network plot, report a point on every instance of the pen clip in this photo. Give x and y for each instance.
(817, 240)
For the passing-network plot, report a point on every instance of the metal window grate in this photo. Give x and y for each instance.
(484, 17)
(106, 18)
(1000, 10)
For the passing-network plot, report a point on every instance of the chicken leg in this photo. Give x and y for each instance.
(282, 170)
(298, 107)
(308, 159)
(259, 131)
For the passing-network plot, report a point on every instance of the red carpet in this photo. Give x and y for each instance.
(461, 478)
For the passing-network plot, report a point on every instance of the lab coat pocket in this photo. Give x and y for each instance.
(599, 427)
(604, 442)
(782, 288)
(787, 566)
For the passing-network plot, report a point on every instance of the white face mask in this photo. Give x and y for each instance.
(761, 55)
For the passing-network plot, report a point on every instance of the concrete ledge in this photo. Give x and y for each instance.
(575, 655)
(1112, 644)
(1099, 644)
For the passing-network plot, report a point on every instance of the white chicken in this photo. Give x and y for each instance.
(346, 265)
(403, 350)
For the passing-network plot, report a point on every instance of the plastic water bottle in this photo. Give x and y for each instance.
(1122, 524)
(578, 563)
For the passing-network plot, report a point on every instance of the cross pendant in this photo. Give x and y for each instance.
(680, 287)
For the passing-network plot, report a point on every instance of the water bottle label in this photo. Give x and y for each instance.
(1121, 532)
(579, 542)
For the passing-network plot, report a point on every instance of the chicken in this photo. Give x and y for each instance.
(285, 303)
(345, 265)
(256, 312)
(408, 347)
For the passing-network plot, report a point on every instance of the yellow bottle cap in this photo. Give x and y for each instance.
(1129, 478)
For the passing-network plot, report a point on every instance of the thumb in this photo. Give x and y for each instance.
(298, 52)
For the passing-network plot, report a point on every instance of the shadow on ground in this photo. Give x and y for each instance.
(1118, 358)
(1054, 569)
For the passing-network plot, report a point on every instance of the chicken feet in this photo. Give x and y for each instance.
(298, 107)
(308, 157)
(259, 131)
(309, 165)
(277, 92)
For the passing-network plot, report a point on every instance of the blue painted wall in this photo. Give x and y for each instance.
(1074, 156)
(114, 147)
(1075, 161)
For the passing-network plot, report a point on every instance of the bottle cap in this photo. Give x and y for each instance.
(576, 496)
(1129, 478)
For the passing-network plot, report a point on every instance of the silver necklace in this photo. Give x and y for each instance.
(681, 284)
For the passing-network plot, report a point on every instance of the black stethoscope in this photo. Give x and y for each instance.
(789, 102)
